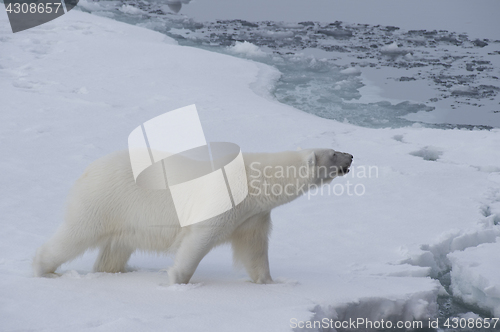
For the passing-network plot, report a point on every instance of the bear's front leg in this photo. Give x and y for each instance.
(194, 246)
(250, 245)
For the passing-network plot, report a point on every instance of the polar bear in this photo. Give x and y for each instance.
(108, 210)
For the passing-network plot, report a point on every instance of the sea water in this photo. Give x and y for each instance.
(372, 76)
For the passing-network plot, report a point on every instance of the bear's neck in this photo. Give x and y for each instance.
(277, 178)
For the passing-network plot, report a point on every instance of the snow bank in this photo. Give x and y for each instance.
(351, 71)
(428, 153)
(475, 276)
(393, 49)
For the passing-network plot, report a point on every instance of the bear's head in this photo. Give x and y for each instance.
(278, 178)
(326, 164)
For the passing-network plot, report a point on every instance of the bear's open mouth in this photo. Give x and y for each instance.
(344, 170)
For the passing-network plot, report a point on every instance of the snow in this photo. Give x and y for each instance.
(74, 88)
(435, 66)
(428, 153)
(475, 276)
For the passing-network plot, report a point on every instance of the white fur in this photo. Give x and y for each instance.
(107, 210)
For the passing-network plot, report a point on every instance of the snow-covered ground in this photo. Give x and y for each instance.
(73, 89)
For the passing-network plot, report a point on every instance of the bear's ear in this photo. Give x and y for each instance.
(311, 159)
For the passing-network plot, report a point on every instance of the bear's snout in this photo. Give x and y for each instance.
(333, 163)
(344, 160)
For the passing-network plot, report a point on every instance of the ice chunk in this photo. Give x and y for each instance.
(475, 276)
(128, 9)
(393, 49)
(247, 49)
(428, 153)
(351, 71)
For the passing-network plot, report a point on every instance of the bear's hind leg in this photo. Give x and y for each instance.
(250, 245)
(113, 257)
(62, 247)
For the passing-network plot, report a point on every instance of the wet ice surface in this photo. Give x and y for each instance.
(373, 76)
